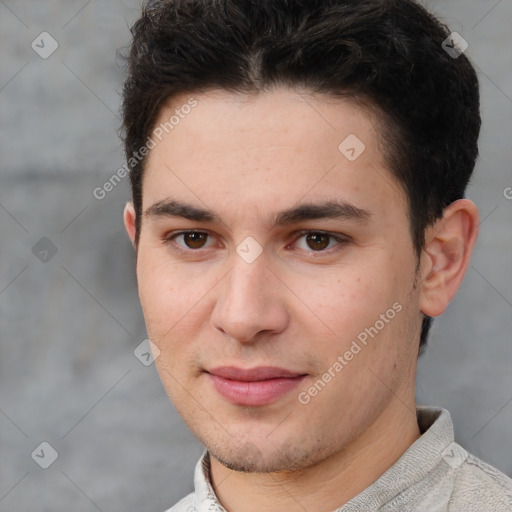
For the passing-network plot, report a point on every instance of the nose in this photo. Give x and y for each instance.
(251, 301)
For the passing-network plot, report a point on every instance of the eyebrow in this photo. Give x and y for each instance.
(332, 209)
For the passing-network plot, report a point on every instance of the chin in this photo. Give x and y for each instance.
(248, 458)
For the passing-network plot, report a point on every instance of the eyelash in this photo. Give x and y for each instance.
(342, 240)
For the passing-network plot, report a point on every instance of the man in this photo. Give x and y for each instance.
(298, 215)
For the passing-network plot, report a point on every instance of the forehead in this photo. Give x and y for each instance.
(268, 149)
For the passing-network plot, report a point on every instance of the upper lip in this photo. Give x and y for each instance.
(253, 374)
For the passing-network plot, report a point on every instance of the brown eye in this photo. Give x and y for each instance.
(194, 240)
(318, 241)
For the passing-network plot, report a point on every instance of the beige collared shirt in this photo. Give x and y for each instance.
(434, 475)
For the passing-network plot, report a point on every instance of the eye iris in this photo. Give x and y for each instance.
(316, 239)
(194, 238)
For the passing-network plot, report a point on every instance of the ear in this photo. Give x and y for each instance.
(129, 218)
(446, 256)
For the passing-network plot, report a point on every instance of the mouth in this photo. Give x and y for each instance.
(253, 387)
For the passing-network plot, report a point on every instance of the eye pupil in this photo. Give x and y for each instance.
(316, 239)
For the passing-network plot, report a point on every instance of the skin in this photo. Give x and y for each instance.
(300, 304)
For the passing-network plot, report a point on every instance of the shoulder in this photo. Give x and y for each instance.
(184, 505)
(479, 486)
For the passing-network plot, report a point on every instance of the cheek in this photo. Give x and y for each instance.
(349, 301)
(173, 300)
(162, 297)
(167, 313)
(365, 309)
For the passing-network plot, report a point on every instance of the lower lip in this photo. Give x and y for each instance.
(256, 393)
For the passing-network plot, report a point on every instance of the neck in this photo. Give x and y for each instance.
(329, 484)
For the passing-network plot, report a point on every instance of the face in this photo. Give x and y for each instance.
(276, 274)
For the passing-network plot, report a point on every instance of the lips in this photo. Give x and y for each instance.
(253, 387)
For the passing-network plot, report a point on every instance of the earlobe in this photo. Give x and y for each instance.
(129, 217)
(446, 256)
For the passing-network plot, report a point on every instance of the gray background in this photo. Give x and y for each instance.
(69, 325)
